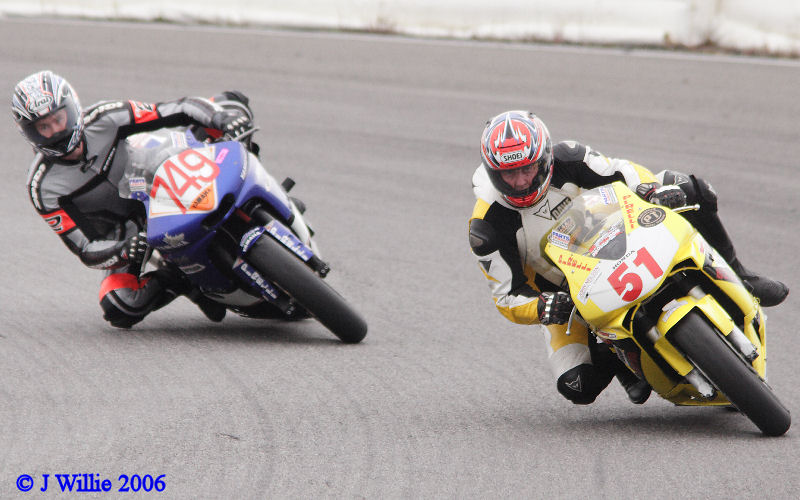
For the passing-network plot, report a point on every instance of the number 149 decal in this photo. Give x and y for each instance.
(629, 285)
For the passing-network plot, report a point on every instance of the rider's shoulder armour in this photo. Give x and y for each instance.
(482, 237)
(569, 152)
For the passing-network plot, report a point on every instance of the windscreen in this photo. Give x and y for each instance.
(146, 152)
(593, 226)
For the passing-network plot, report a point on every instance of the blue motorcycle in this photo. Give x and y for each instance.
(217, 215)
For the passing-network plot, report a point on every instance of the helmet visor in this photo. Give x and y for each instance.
(524, 180)
(55, 131)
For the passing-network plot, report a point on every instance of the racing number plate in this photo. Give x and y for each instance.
(185, 183)
(637, 273)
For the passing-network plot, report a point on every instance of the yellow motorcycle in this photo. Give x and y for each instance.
(645, 282)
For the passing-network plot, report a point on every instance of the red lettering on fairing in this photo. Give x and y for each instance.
(572, 262)
(628, 206)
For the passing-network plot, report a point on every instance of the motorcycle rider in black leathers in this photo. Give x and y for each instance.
(73, 183)
(522, 185)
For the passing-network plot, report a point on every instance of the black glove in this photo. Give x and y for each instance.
(135, 249)
(232, 125)
(670, 196)
(554, 308)
(235, 95)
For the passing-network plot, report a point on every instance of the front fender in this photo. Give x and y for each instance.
(675, 311)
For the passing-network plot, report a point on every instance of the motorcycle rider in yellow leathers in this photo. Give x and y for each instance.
(523, 184)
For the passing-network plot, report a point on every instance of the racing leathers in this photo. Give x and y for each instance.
(80, 201)
(506, 239)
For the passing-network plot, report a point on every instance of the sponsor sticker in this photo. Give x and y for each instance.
(137, 184)
(651, 217)
(571, 261)
(586, 288)
(567, 225)
(264, 287)
(607, 195)
(512, 156)
(560, 240)
(178, 139)
(606, 335)
(288, 239)
(250, 237)
(628, 208)
(221, 156)
(604, 240)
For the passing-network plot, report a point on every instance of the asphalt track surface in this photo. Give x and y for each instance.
(444, 398)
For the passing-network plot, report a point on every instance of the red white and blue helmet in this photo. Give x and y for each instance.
(40, 95)
(514, 140)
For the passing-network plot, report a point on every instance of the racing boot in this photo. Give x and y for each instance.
(768, 291)
(608, 365)
(176, 282)
(638, 390)
(213, 310)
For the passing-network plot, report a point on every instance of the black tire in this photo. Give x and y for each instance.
(275, 263)
(730, 374)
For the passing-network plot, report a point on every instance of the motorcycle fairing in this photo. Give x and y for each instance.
(183, 188)
(657, 244)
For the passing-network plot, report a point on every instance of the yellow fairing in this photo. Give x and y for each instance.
(582, 271)
(670, 244)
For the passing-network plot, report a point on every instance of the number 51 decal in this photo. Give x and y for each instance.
(629, 285)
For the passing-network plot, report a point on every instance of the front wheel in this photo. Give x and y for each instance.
(275, 263)
(729, 373)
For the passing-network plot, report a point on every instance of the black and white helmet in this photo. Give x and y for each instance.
(48, 113)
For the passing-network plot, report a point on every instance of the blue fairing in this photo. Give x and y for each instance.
(258, 184)
(185, 185)
(190, 223)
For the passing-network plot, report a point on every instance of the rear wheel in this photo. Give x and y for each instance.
(730, 374)
(275, 263)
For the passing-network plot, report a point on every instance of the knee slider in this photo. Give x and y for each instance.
(116, 316)
(580, 384)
